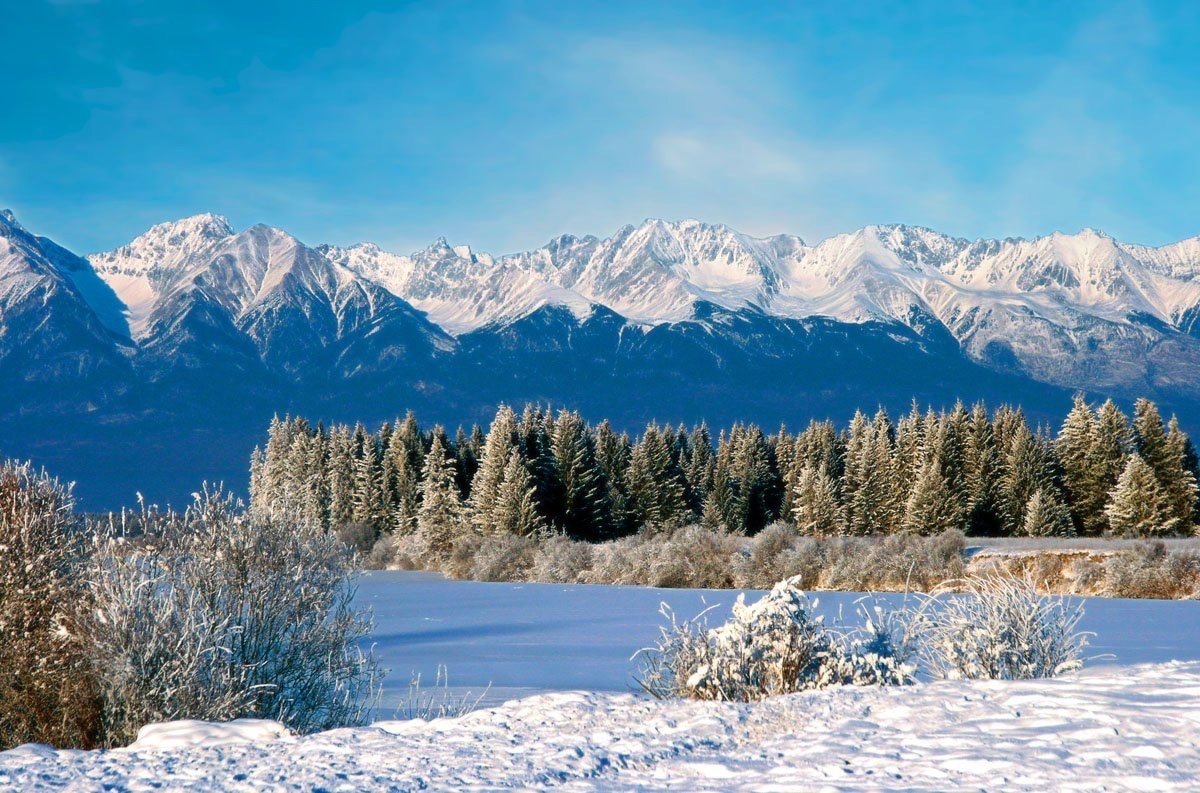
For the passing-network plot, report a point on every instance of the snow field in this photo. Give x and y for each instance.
(1128, 722)
(1114, 728)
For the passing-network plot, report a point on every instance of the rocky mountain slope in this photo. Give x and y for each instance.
(197, 327)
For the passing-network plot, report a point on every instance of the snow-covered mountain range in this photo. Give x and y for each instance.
(1081, 311)
(675, 320)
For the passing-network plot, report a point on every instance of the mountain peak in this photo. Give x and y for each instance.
(7, 218)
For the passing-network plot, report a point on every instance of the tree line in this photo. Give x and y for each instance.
(970, 469)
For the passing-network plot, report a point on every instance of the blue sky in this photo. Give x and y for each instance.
(503, 124)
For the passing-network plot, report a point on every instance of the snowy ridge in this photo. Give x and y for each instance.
(1120, 727)
(658, 271)
(1081, 310)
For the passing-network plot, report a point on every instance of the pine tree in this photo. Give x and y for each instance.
(516, 507)
(1028, 470)
(1165, 453)
(440, 515)
(1111, 442)
(699, 472)
(485, 488)
(932, 507)
(817, 511)
(656, 487)
(612, 458)
(577, 503)
(983, 477)
(1138, 506)
(1074, 449)
(1047, 516)
(339, 475)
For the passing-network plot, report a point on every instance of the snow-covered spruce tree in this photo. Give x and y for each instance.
(406, 496)
(1073, 446)
(485, 487)
(872, 496)
(656, 486)
(1138, 505)
(440, 518)
(1164, 452)
(756, 483)
(699, 471)
(612, 458)
(369, 508)
(910, 445)
(47, 693)
(339, 477)
(933, 507)
(1183, 477)
(1028, 469)
(516, 510)
(1047, 516)
(576, 504)
(217, 614)
(1112, 441)
(817, 511)
(983, 477)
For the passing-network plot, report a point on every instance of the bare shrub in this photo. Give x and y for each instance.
(624, 561)
(219, 616)
(503, 557)
(1151, 571)
(897, 562)
(561, 560)
(458, 564)
(775, 553)
(1000, 629)
(47, 694)
(359, 536)
(695, 557)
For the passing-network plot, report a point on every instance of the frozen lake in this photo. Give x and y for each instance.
(533, 638)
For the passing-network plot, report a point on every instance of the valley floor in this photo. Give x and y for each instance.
(560, 712)
(1113, 728)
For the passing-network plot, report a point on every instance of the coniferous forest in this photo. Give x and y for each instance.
(981, 472)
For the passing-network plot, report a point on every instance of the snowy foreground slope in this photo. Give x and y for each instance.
(1135, 728)
(560, 654)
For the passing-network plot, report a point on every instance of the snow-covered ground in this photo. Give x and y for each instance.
(533, 638)
(1127, 722)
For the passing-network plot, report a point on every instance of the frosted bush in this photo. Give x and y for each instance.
(1151, 571)
(503, 557)
(625, 561)
(897, 562)
(878, 652)
(218, 616)
(693, 556)
(999, 628)
(561, 560)
(776, 553)
(776, 645)
(359, 536)
(46, 690)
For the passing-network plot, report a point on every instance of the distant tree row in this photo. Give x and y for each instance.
(981, 472)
